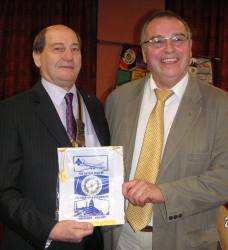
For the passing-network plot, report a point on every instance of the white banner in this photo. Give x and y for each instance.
(90, 185)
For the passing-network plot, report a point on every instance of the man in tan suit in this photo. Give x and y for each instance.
(192, 179)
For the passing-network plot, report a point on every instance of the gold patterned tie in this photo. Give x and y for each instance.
(149, 159)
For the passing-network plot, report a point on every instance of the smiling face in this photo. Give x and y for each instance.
(60, 60)
(167, 63)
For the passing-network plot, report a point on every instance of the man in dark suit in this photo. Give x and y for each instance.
(32, 126)
(192, 178)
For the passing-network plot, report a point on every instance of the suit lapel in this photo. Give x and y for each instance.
(90, 105)
(187, 114)
(130, 120)
(97, 117)
(49, 116)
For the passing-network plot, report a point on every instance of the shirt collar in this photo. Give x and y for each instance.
(178, 88)
(56, 92)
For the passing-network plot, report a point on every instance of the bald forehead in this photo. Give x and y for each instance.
(166, 25)
(167, 20)
(60, 28)
(61, 33)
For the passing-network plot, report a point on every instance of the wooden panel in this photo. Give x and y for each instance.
(119, 22)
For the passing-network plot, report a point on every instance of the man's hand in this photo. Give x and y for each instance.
(70, 231)
(140, 192)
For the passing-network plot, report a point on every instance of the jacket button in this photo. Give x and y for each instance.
(170, 217)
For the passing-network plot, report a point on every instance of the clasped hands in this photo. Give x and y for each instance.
(140, 192)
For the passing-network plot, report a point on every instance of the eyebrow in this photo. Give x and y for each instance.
(174, 34)
(60, 43)
(75, 44)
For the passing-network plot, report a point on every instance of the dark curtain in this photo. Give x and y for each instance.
(19, 23)
(209, 23)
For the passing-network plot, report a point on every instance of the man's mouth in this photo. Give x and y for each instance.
(169, 60)
(66, 66)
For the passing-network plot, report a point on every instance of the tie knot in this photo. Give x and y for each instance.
(163, 94)
(69, 97)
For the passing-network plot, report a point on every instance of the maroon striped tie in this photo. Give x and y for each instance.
(70, 120)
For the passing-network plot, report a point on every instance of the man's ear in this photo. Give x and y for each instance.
(36, 59)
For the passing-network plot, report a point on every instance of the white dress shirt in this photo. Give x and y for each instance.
(147, 105)
(57, 95)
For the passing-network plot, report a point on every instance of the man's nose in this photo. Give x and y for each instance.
(68, 54)
(169, 45)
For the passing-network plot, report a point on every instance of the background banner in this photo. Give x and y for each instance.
(132, 67)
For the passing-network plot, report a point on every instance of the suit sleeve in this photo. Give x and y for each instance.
(17, 212)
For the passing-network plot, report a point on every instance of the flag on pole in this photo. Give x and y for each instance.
(131, 65)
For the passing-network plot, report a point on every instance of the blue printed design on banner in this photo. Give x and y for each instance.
(92, 192)
(98, 162)
(90, 211)
(90, 185)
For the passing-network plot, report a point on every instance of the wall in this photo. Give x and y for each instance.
(119, 22)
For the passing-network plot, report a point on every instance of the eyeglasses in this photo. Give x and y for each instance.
(159, 41)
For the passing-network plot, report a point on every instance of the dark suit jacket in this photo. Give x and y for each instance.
(31, 132)
(193, 174)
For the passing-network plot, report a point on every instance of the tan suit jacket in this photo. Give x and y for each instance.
(194, 168)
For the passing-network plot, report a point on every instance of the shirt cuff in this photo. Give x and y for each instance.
(48, 243)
